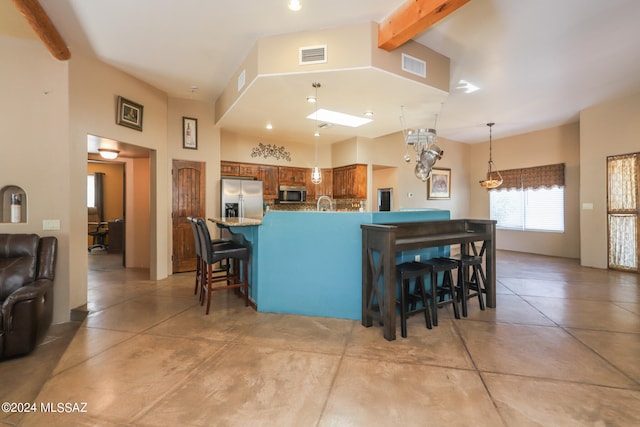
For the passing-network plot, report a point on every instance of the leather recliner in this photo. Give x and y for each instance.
(27, 270)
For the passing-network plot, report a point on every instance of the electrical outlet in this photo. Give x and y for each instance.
(51, 224)
(416, 258)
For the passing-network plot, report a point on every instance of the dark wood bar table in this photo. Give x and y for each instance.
(381, 242)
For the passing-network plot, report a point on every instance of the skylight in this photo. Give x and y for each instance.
(338, 118)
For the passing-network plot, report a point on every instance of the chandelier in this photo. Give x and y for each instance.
(494, 179)
(423, 141)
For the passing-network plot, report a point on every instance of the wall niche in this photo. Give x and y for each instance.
(14, 204)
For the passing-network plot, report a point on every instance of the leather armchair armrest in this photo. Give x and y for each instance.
(37, 291)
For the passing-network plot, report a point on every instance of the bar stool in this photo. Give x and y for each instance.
(467, 284)
(408, 300)
(213, 253)
(445, 289)
(199, 260)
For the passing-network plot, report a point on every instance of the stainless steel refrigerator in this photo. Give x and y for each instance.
(241, 198)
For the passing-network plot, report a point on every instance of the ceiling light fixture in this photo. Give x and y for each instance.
(108, 153)
(494, 179)
(316, 175)
(423, 141)
(294, 5)
(311, 99)
(269, 126)
(368, 114)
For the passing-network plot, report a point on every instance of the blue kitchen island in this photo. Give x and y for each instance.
(310, 263)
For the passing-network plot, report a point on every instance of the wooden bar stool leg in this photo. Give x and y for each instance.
(462, 288)
(245, 272)
(434, 297)
(448, 278)
(209, 286)
(427, 315)
(477, 276)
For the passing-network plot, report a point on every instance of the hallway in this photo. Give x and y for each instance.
(561, 349)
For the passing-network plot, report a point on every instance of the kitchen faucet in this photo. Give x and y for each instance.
(321, 198)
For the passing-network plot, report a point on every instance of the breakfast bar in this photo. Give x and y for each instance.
(382, 242)
(309, 262)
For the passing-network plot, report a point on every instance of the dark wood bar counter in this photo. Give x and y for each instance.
(381, 243)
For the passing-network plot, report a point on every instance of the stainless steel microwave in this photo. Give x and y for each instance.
(292, 194)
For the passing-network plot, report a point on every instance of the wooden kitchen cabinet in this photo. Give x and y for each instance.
(350, 182)
(291, 176)
(248, 170)
(269, 177)
(229, 168)
(325, 188)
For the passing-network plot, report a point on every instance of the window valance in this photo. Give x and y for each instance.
(536, 177)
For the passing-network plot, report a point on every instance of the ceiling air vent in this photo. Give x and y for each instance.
(313, 55)
(414, 65)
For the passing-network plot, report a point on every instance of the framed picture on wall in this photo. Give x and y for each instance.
(190, 133)
(129, 114)
(439, 185)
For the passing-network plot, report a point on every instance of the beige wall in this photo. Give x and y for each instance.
(606, 129)
(237, 148)
(208, 150)
(92, 111)
(556, 145)
(36, 153)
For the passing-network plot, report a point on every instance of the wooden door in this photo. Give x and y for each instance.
(188, 200)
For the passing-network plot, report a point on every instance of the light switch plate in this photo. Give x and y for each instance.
(51, 224)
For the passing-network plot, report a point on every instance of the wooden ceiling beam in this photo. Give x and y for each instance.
(39, 20)
(412, 18)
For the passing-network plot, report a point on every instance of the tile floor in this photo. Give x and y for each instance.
(561, 349)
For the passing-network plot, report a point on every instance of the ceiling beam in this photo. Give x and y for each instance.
(44, 28)
(412, 18)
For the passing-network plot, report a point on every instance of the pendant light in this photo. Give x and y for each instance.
(494, 179)
(316, 175)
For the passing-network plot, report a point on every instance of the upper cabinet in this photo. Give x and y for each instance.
(325, 188)
(269, 177)
(292, 176)
(229, 169)
(350, 182)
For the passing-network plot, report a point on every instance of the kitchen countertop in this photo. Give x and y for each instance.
(236, 222)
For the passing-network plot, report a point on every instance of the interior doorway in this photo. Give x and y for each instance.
(127, 199)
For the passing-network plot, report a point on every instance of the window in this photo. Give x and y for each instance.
(530, 199)
(91, 191)
(530, 210)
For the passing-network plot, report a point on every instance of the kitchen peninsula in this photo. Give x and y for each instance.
(310, 263)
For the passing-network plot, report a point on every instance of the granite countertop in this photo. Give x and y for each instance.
(236, 222)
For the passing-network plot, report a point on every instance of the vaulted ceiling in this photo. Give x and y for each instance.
(536, 63)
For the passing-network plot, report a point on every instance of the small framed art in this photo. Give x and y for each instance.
(439, 185)
(129, 114)
(190, 133)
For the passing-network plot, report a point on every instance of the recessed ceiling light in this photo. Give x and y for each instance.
(311, 99)
(368, 113)
(269, 126)
(294, 5)
(338, 118)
